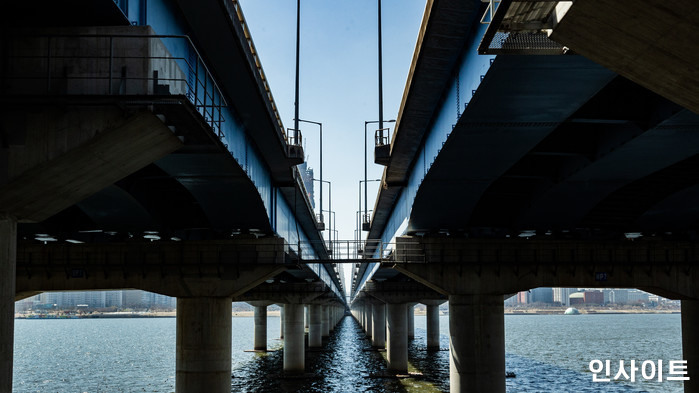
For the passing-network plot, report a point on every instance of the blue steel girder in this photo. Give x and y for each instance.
(522, 98)
(241, 181)
(542, 142)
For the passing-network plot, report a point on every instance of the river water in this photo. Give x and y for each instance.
(548, 353)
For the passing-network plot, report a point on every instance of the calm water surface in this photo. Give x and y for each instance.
(548, 353)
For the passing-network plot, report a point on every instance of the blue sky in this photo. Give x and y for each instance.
(338, 81)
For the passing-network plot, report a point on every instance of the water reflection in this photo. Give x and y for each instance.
(547, 353)
(349, 367)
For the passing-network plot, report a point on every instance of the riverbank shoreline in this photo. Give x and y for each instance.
(125, 314)
(591, 312)
(275, 313)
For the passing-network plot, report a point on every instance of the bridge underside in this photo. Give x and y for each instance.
(594, 166)
(617, 34)
(194, 192)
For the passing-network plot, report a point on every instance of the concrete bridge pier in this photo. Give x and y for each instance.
(362, 316)
(397, 340)
(307, 314)
(396, 300)
(294, 351)
(366, 312)
(325, 321)
(690, 343)
(260, 317)
(8, 265)
(203, 345)
(477, 343)
(294, 297)
(315, 328)
(331, 320)
(369, 306)
(281, 321)
(432, 317)
(411, 321)
(476, 325)
(378, 324)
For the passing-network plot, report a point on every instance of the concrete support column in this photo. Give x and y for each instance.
(281, 321)
(325, 322)
(369, 317)
(315, 329)
(378, 325)
(411, 321)
(362, 320)
(307, 313)
(331, 321)
(260, 337)
(294, 351)
(477, 343)
(8, 267)
(203, 345)
(397, 340)
(690, 343)
(432, 317)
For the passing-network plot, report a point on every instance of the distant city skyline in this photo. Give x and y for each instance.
(138, 299)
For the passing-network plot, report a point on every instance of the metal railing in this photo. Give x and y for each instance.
(113, 64)
(367, 251)
(489, 11)
(294, 137)
(381, 139)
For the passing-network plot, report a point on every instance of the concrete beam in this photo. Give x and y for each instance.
(461, 266)
(652, 48)
(400, 292)
(36, 188)
(180, 269)
(674, 282)
(287, 293)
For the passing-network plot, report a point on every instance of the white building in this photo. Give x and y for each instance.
(562, 295)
